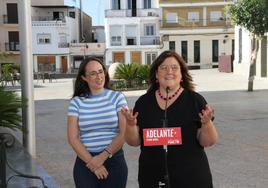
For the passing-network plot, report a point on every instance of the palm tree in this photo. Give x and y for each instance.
(10, 105)
(127, 72)
(143, 73)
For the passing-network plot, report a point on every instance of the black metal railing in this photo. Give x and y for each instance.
(48, 18)
(196, 23)
(154, 12)
(6, 141)
(63, 45)
(12, 46)
(6, 20)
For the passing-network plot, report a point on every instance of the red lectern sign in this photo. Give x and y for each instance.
(162, 136)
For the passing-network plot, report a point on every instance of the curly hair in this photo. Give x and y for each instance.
(81, 86)
(187, 80)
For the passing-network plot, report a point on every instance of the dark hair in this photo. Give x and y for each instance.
(187, 81)
(81, 87)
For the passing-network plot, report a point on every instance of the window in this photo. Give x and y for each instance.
(116, 41)
(131, 41)
(43, 38)
(184, 50)
(58, 15)
(149, 30)
(150, 57)
(12, 13)
(215, 16)
(172, 18)
(129, 4)
(116, 5)
(193, 16)
(13, 44)
(136, 57)
(215, 50)
(147, 4)
(197, 51)
(72, 14)
(172, 45)
(119, 57)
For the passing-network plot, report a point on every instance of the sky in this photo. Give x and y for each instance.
(95, 9)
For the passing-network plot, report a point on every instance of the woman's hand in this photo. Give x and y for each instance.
(101, 172)
(95, 163)
(207, 134)
(130, 117)
(206, 115)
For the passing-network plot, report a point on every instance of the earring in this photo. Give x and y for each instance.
(181, 81)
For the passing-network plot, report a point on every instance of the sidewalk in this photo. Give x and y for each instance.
(239, 159)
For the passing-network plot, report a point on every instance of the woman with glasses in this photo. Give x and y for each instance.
(172, 124)
(96, 129)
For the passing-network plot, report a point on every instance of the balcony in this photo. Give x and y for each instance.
(63, 45)
(190, 24)
(153, 12)
(12, 46)
(47, 18)
(150, 40)
(7, 20)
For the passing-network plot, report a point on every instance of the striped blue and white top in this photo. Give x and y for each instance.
(97, 118)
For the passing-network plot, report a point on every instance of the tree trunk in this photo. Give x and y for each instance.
(252, 67)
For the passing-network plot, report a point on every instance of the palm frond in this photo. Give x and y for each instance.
(10, 108)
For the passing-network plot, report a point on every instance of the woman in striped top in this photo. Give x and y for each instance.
(96, 129)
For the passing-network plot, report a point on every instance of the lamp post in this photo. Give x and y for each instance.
(28, 112)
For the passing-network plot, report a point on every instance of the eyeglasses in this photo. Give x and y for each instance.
(167, 67)
(94, 74)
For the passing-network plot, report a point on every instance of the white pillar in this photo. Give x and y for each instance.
(58, 63)
(35, 63)
(69, 60)
(205, 16)
(28, 112)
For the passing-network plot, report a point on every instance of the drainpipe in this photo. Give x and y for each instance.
(82, 37)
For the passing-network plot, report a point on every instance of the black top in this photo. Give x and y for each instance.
(187, 163)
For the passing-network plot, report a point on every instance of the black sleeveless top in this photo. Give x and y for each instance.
(187, 163)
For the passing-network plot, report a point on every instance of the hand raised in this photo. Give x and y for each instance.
(130, 117)
(206, 114)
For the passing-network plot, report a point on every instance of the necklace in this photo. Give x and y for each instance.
(170, 97)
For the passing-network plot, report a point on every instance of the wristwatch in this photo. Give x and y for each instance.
(109, 152)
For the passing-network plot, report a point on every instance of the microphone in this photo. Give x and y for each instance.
(165, 114)
(167, 90)
(165, 124)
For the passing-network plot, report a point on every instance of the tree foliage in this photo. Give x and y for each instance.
(10, 108)
(250, 14)
(143, 73)
(253, 16)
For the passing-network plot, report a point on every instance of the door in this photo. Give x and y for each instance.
(12, 13)
(64, 67)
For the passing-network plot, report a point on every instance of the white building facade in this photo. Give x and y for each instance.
(198, 30)
(52, 31)
(9, 32)
(243, 54)
(132, 31)
(55, 25)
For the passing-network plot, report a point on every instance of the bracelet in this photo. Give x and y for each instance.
(109, 152)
